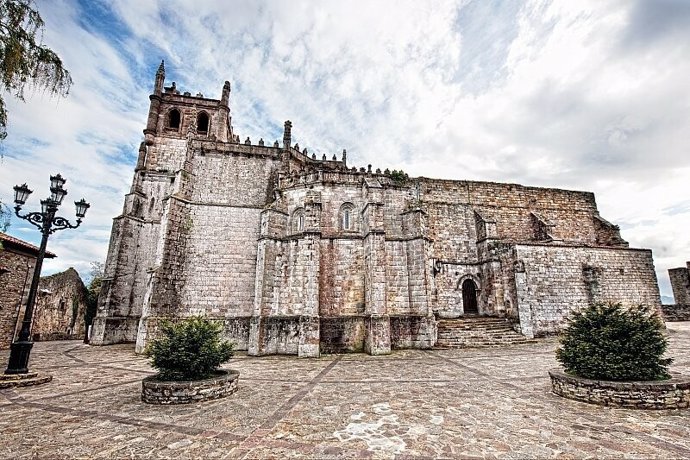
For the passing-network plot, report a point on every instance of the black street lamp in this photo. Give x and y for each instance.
(47, 222)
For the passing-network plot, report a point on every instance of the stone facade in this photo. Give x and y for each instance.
(17, 260)
(60, 307)
(680, 283)
(305, 255)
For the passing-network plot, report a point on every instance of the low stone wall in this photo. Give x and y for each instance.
(23, 380)
(673, 393)
(184, 392)
(676, 312)
(344, 334)
(412, 332)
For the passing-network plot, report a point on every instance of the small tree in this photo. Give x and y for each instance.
(609, 342)
(5, 216)
(399, 177)
(24, 60)
(190, 349)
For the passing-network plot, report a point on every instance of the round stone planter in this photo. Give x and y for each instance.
(673, 393)
(155, 391)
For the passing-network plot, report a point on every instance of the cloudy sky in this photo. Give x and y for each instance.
(586, 95)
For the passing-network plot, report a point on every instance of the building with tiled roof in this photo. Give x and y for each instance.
(17, 261)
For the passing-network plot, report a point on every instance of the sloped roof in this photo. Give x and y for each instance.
(11, 242)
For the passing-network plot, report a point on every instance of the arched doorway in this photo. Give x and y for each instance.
(469, 297)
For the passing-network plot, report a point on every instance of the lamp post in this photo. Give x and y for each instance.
(47, 222)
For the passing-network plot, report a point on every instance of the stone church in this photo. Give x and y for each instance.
(299, 254)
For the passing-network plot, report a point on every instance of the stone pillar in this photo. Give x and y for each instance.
(287, 135)
(223, 128)
(255, 336)
(309, 320)
(154, 108)
(309, 337)
(524, 306)
(272, 228)
(680, 283)
(378, 328)
(419, 266)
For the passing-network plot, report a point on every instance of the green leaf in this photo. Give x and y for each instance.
(610, 342)
(190, 349)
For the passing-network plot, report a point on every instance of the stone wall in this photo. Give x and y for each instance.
(60, 307)
(130, 265)
(413, 332)
(673, 393)
(279, 335)
(560, 279)
(186, 392)
(341, 290)
(675, 312)
(344, 334)
(17, 268)
(680, 283)
(220, 264)
(511, 206)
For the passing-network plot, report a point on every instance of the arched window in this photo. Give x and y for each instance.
(202, 123)
(347, 217)
(174, 119)
(298, 220)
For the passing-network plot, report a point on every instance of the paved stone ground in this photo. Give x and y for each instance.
(480, 403)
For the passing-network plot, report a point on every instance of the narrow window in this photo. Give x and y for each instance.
(202, 123)
(298, 220)
(346, 219)
(174, 119)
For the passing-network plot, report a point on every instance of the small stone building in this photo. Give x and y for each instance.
(303, 254)
(680, 283)
(17, 261)
(60, 307)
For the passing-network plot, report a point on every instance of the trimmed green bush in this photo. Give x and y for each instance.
(610, 342)
(190, 349)
(399, 177)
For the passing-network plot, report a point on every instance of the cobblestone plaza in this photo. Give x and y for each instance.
(464, 403)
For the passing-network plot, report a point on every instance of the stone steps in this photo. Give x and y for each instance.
(477, 332)
(23, 380)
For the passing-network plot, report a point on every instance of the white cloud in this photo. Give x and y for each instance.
(583, 95)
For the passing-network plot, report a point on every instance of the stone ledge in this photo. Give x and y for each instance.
(677, 312)
(673, 393)
(154, 391)
(23, 380)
